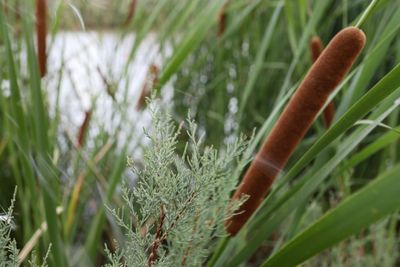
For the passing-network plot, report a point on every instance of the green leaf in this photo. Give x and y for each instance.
(382, 142)
(371, 62)
(259, 60)
(377, 200)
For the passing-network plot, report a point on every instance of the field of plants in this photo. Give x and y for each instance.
(218, 133)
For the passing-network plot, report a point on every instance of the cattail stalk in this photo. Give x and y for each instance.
(316, 48)
(41, 33)
(325, 74)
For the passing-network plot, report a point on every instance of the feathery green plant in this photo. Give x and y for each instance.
(180, 202)
(9, 253)
(8, 246)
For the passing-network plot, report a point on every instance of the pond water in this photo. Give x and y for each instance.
(91, 71)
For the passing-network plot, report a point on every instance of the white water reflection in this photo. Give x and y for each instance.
(78, 64)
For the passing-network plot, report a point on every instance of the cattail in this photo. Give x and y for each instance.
(316, 48)
(142, 98)
(84, 127)
(131, 12)
(324, 75)
(17, 11)
(41, 32)
(5, 8)
(221, 24)
(221, 21)
(151, 81)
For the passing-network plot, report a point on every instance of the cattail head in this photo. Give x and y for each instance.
(221, 24)
(324, 75)
(222, 20)
(41, 33)
(131, 12)
(4, 6)
(316, 48)
(84, 127)
(151, 82)
(153, 71)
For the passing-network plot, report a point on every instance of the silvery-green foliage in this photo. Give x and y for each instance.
(8, 247)
(180, 203)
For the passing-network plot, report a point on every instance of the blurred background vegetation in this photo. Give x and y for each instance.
(65, 138)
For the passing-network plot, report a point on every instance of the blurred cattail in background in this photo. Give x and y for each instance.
(41, 33)
(84, 127)
(149, 84)
(222, 21)
(131, 12)
(325, 74)
(316, 48)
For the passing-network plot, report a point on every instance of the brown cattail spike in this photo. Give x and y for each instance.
(41, 32)
(222, 20)
(150, 83)
(326, 73)
(316, 48)
(84, 127)
(221, 23)
(131, 12)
